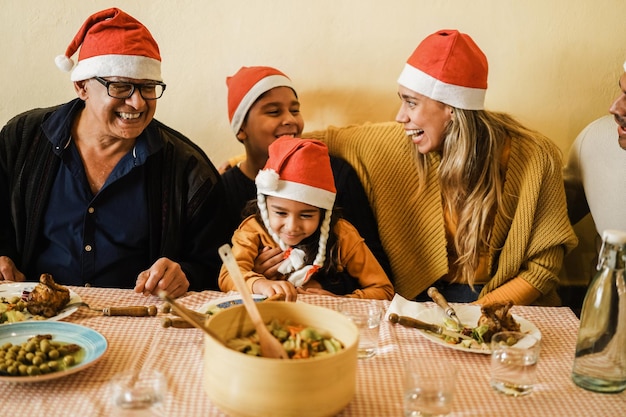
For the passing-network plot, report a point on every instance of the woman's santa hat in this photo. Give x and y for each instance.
(448, 67)
(112, 44)
(299, 170)
(246, 86)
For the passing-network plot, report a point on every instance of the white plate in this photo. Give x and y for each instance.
(214, 306)
(10, 289)
(469, 315)
(93, 343)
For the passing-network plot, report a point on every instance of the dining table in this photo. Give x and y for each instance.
(144, 343)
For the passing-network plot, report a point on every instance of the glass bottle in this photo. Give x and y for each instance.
(600, 361)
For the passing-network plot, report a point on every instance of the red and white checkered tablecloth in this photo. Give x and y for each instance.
(136, 342)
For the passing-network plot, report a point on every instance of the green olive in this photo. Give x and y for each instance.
(44, 346)
(33, 370)
(44, 368)
(69, 360)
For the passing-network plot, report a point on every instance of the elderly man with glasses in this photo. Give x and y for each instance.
(96, 191)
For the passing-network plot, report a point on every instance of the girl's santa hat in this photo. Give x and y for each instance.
(448, 67)
(112, 44)
(299, 170)
(246, 86)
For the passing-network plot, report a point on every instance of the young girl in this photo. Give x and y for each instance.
(295, 198)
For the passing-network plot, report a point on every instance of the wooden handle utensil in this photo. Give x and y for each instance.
(441, 302)
(270, 346)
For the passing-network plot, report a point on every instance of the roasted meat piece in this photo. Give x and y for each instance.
(498, 318)
(47, 298)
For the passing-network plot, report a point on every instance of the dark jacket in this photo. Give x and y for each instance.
(184, 191)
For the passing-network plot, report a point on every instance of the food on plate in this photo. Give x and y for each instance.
(299, 341)
(39, 355)
(47, 298)
(12, 310)
(494, 318)
(498, 318)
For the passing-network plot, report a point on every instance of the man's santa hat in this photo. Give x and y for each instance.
(246, 86)
(299, 170)
(112, 44)
(448, 67)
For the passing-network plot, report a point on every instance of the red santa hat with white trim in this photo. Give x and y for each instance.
(246, 86)
(112, 44)
(299, 170)
(449, 67)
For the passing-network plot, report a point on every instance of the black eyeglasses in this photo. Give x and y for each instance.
(123, 90)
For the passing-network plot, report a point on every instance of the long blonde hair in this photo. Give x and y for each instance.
(471, 179)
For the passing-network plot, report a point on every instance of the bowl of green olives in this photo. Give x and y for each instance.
(38, 351)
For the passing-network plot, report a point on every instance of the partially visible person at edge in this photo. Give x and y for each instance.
(483, 216)
(262, 106)
(295, 199)
(98, 193)
(595, 174)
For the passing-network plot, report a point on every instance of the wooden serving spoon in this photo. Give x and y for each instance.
(270, 346)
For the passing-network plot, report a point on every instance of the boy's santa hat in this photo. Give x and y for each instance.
(299, 170)
(448, 67)
(246, 86)
(112, 44)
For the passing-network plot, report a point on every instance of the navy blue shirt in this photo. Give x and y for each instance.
(102, 239)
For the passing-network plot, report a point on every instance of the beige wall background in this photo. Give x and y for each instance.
(553, 64)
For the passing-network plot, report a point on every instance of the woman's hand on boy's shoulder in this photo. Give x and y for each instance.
(267, 263)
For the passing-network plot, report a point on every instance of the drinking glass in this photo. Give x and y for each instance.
(366, 315)
(428, 387)
(138, 393)
(514, 357)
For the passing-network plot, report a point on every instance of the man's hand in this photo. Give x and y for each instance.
(267, 263)
(8, 271)
(164, 275)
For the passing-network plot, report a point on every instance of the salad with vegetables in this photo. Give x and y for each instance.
(494, 318)
(477, 334)
(13, 310)
(299, 341)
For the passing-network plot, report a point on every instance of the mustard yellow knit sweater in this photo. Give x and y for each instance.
(531, 232)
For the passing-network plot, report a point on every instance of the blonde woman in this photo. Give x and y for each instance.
(480, 202)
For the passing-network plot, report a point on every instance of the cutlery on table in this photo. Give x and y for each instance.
(180, 323)
(270, 346)
(184, 313)
(133, 311)
(433, 328)
(440, 300)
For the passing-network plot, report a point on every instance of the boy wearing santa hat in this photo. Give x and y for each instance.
(262, 106)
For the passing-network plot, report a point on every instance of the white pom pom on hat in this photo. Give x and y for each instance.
(64, 63)
(112, 43)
